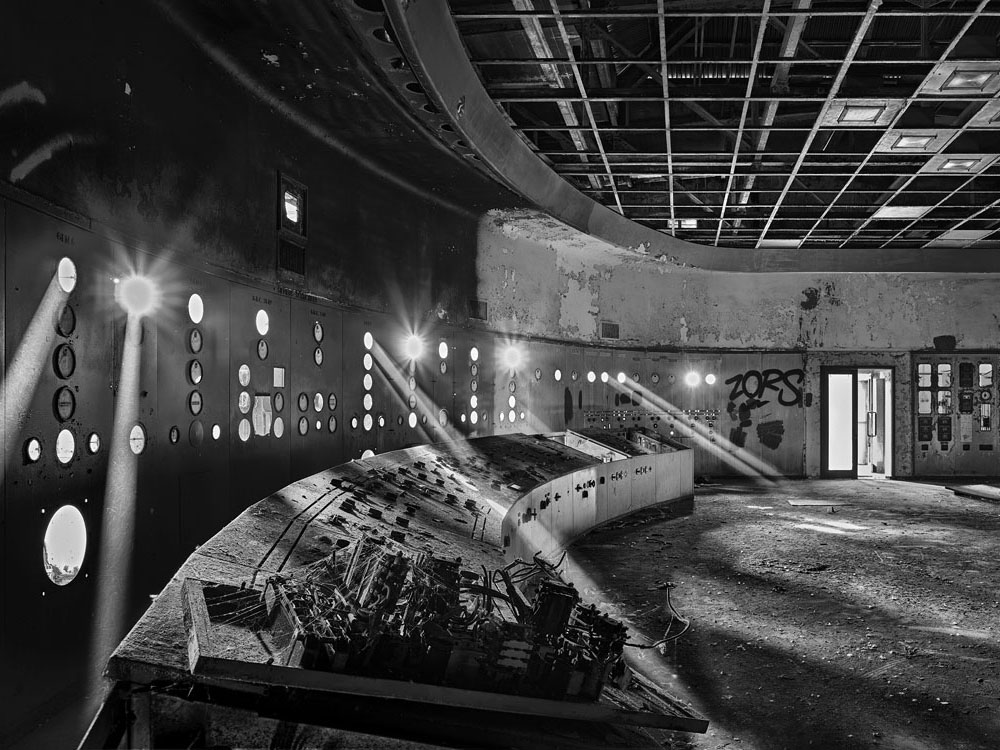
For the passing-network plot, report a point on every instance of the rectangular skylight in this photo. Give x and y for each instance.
(861, 113)
(918, 142)
(968, 80)
(959, 165)
(682, 223)
(900, 212)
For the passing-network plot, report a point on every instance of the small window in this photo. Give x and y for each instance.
(923, 402)
(985, 374)
(944, 375)
(944, 402)
(924, 375)
(292, 207)
(985, 417)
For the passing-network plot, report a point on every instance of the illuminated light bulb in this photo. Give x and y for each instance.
(557, 375)
(414, 346)
(692, 378)
(710, 379)
(621, 377)
(66, 273)
(512, 357)
(137, 295)
(591, 377)
(474, 354)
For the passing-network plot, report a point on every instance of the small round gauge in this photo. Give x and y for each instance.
(65, 446)
(474, 385)
(303, 425)
(318, 332)
(279, 401)
(443, 417)
(671, 378)
(32, 450)
(67, 321)
(380, 420)
(318, 402)
(318, 356)
(64, 361)
(243, 402)
(244, 375)
(985, 395)
(368, 361)
(331, 401)
(399, 420)
(262, 349)
(654, 378)
(319, 425)
(195, 372)
(412, 420)
(367, 401)
(511, 401)
(195, 402)
(635, 377)
(538, 373)
(244, 430)
(574, 376)
(137, 439)
(512, 386)
(511, 416)
(367, 381)
(423, 419)
(367, 422)
(354, 422)
(474, 369)
(331, 424)
(217, 431)
(64, 404)
(303, 402)
(474, 401)
(279, 427)
(195, 340)
(196, 433)
(412, 382)
(412, 401)
(93, 443)
(175, 435)
(474, 353)
(443, 367)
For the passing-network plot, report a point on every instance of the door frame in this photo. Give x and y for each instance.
(825, 470)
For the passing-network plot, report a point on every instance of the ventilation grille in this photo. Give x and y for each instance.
(291, 257)
(477, 309)
(609, 330)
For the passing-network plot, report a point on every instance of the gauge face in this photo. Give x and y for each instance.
(196, 433)
(65, 404)
(412, 420)
(654, 378)
(65, 446)
(244, 430)
(985, 396)
(94, 443)
(303, 425)
(279, 427)
(354, 422)
(367, 422)
(511, 402)
(474, 385)
(195, 341)
(367, 401)
(380, 421)
(318, 402)
(195, 372)
(512, 386)
(318, 356)
(443, 418)
(244, 375)
(538, 373)
(574, 375)
(671, 378)
(399, 420)
(443, 367)
(137, 439)
(423, 419)
(33, 450)
(474, 369)
(474, 353)
(67, 321)
(303, 402)
(216, 432)
(317, 332)
(175, 435)
(331, 401)
(331, 424)
(368, 361)
(367, 382)
(64, 361)
(412, 401)
(412, 382)
(243, 402)
(195, 402)
(279, 401)
(262, 349)
(635, 377)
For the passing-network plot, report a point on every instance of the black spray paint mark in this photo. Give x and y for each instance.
(811, 295)
(745, 399)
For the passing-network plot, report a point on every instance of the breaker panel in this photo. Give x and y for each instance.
(955, 431)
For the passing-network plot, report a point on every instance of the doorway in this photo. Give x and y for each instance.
(857, 424)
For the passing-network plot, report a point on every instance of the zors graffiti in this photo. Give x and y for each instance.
(747, 395)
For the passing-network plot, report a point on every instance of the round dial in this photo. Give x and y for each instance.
(318, 356)
(244, 375)
(367, 401)
(303, 402)
(195, 402)
(474, 369)
(412, 401)
(512, 386)
(474, 385)
(368, 361)
(196, 433)
(243, 402)
(574, 375)
(175, 435)
(33, 450)
(331, 401)
(279, 427)
(137, 439)
(367, 422)
(303, 425)
(317, 332)
(985, 395)
(94, 443)
(380, 420)
(654, 378)
(244, 430)
(412, 382)
(65, 404)
(262, 349)
(64, 361)
(195, 373)
(331, 424)
(538, 373)
(279, 401)
(67, 321)
(318, 402)
(367, 382)
(443, 367)
(354, 422)
(399, 420)
(195, 341)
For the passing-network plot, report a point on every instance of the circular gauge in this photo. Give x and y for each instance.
(319, 425)
(511, 415)
(557, 375)
(279, 401)
(511, 401)
(32, 450)
(244, 430)
(354, 422)
(67, 321)
(423, 419)
(443, 349)
(474, 417)
(671, 378)
(368, 361)
(443, 417)
(64, 361)
(985, 395)
(502, 416)
(654, 378)
(474, 370)
(244, 375)
(303, 402)
(368, 401)
(318, 356)
(412, 382)
(195, 341)
(635, 377)
(66, 274)
(262, 322)
(604, 377)
(262, 349)
(64, 404)
(137, 439)
(368, 340)
(461, 417)
(195, 373)
(474, 385)
(443, 367)
(474, 354)
(538, 373)
(591, 376)
(399, 420)
(331, 424)
(485, 416)
(317, 332)
(367, 382)
(279, 427)
(217, 431)
(412, 401)
(174, 435)
(380, 421)
(65, 446)
(196, 433)
(196, 308)
(412, 420)
(574, 376)
(512, 386)
(64, 545)
(243, 402)
(195, 402)
(367, 422)
(522, 415)
(474, 401)
(318, 402)
(331, 401)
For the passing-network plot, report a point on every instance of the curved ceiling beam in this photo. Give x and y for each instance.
(428, 37)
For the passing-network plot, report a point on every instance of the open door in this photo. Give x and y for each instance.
(839, 428)
(874, 422)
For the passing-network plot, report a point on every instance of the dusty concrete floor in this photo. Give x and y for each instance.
(875, 626)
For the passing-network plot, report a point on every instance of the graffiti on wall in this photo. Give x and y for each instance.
(752, 391)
